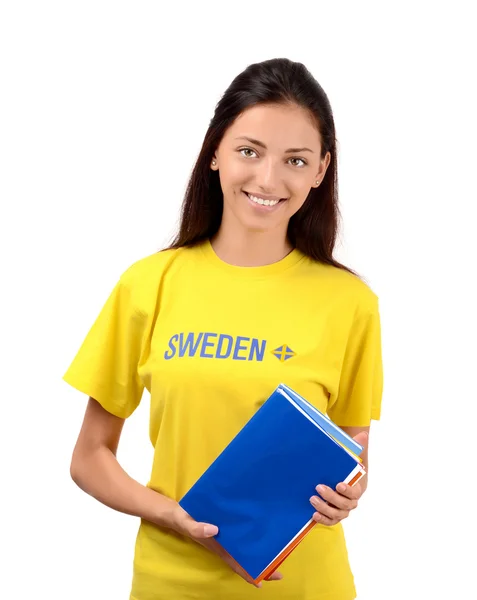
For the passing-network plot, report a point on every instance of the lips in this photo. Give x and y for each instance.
(270, 205)
(266, 198)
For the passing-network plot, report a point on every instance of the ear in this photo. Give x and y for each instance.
(324, 163)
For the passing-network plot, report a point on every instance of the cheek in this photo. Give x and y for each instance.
(294, 205)
(234, 175)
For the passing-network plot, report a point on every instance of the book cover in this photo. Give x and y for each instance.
(323, 420)
(257, 490)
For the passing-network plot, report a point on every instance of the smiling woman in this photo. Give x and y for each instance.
(248, 295)
(285, 117)
(276, 184)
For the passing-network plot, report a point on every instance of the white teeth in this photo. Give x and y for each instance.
(263, 202)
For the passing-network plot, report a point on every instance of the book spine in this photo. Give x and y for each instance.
(353, 478)
(355, 475)
(285, 552)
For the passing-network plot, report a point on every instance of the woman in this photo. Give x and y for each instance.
(248, 296)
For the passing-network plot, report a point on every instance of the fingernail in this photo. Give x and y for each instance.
(211, 530)
(341, 487)
(314, 500)
(317, 517)
(321, 488)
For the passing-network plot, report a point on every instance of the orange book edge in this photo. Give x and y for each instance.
(273, 566)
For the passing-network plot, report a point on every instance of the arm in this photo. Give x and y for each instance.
(95, 469)
(106, 366)
(355, 400)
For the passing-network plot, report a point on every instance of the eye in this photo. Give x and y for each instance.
(303, 161)
(241, 150)
(245, 150)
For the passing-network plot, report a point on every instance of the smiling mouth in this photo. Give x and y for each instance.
(262, 202)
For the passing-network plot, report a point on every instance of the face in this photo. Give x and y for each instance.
(266, 178)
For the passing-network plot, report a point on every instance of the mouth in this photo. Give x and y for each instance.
(263, 203)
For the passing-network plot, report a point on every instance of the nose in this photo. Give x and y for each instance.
(268, 176)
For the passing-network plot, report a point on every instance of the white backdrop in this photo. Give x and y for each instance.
(104, 106)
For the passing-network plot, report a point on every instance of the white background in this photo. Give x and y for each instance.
(104, 106)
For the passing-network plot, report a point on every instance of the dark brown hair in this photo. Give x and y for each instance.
(312, 229)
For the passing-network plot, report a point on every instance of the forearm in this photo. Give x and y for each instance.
(100, 475)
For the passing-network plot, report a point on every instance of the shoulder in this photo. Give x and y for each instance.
(149, 267)
(346, 290)
(140, 281)
(364, 296)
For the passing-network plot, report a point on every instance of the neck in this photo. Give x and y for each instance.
(250, 248)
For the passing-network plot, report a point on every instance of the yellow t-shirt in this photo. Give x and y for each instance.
(210, 342)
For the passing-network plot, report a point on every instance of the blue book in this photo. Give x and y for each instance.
(257, 490)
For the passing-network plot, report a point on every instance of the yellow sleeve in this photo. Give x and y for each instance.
(360, 389)
(106, 365)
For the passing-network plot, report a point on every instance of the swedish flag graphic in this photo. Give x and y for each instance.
(283, 353)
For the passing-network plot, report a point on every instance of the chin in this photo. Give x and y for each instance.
(263, 225)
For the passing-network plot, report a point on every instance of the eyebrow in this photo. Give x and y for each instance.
(258, 143)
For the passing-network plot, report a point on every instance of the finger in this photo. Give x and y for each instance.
(324, 520)
(183, 523)
(200, 530)
(336, 499)
(327, 510)
(275, 576)
(352, 492)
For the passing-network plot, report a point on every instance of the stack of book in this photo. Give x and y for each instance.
(257, 491)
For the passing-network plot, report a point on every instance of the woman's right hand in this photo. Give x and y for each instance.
(95, 469)
(203, 533)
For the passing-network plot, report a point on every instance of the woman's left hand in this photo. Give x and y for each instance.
(338, 504)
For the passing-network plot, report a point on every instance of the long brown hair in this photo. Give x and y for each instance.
(313, 229)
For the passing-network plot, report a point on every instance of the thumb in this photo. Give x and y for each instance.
(185, 524)
(201, 530)
(362, 438)
(208, 530)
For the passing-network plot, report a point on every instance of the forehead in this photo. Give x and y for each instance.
(276, 125)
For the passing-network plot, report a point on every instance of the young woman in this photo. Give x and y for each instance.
(248, 296)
